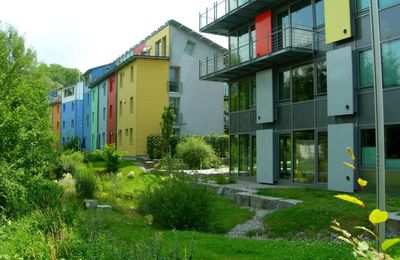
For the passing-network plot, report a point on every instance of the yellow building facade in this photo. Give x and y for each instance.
(142, 94)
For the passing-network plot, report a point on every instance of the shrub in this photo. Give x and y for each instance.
(112, 157)
(154, 146)
(68, 162)
(96, 156)
(177, 202)
(219, 143)
(85, 183)
(196, 153)
(74, 144)
(44, 193)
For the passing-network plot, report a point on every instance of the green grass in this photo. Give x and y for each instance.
(316, 213)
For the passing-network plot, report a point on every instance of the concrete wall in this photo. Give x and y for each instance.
(201, 102)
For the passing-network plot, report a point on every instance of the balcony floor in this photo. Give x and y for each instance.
(258, 64)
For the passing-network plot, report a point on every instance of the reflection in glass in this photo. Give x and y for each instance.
(284, 85)
(285, 157)
(253, 85)
(319, 12)
(302, 81)
(389, 19)
(385, 3)
(304, 157)
(368, 147)
(244, 155)
(234, 154)
(366, 69)
(391, 66)
(362, 4)
(233, 50)
(244, 94)
(283, 35)
(234, 97)
(243, 45)
(321, 77)
(323, 157)
(254, 154)
(301, 15)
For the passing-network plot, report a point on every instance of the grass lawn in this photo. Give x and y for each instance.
(315, 214)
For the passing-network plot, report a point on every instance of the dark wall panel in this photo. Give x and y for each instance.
(303, 115)
(284, 117)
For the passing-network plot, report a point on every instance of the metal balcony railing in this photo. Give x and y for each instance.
(219, 10)
(294, 39)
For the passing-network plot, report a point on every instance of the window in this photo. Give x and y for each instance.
(284, 85)
(363, 31)
(63, 124)
(302, 82)
(234, 97)
(110, 111)
(63, 108)
(120, 108)
(174, 102)
(244, 94)
(104, 138)
(73, 106)
(121, 79)
(385, 3)
(164, 46)
(234, 154)
(58, 125)
(243, 44)
(233, 51)
(63, 140)
(319, 12)
(131, 136)
(323, 157)
(244, 154)
(157, 49)
(131, 104)
(92, 117)
(126, 132)
(285, 157)
(174, 74)
(131, 73)
(362, 4)
(390, 63)
(94, 93)
(366, 70)
(104, 113)
(253, 87)
(58, 109)
(389, 23)
(189, 47)
(304, 157)
(68, 92)
(111, 86)
(87, 120)
(120, 137)
(321, 78)
(104, 89)
(72, 123)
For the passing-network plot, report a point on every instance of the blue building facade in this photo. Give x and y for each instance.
(86, 144)
(102, 113)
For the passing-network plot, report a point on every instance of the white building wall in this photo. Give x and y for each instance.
(201, 102)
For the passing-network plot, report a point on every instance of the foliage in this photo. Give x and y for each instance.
(221, 179)
(112, 157)
(85, 183)
(196, 153)
(68, 162)
(96, 156)
(154, 146)
(44, 193)
(26, 137)
(74, 144)
(177, 202)
(219, 143)
(61, 75)
(167, 129)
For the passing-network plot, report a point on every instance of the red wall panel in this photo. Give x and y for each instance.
(111, 116)
(263, 28)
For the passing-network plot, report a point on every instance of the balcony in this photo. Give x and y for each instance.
(228, 14)
(174, 86)
(281, 46)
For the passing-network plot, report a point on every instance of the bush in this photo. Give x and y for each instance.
(177, 202)
(74, 144)
(69, 162)
(219, 143)
(85, 183)
(112, 157)
(154, 146)
(196, 153)
(96, 156)
(44, 193)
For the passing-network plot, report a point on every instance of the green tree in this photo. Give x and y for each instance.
(26, 140)
(60, 75)
(167, 127)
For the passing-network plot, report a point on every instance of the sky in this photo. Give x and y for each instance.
(87, 33)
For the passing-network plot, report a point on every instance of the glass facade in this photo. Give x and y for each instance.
(391, 64)
(244, 155)
(304, 157)
(234, 154)
(366, 70)
(386, 3)
(244, 94)
(254, 154)
(322, 157)
(303, 83)
(319, 13)
(285, 156)
(234, 97)
(284, 85)
(321, 78)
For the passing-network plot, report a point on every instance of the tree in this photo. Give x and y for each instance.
(59, 75)
(26, 140)
(167, 127)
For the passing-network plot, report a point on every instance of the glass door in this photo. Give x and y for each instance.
(282, 35)
(285, 157)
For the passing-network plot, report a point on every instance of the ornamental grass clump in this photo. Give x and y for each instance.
(362, 249)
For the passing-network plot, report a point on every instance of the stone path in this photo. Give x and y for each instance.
(256, 223)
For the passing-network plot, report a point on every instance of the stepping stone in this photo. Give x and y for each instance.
(90, 204)
(104, 207)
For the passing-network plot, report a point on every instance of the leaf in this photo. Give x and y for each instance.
(377, 216)
(388, 243)
(351, 166)
(351, 153)
(351, 199)
(366, 229)
(362, 182)
(344, 239)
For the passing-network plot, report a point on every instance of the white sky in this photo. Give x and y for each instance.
(88, 33)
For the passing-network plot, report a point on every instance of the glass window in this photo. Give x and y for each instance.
(285, 157)
(392, 145)
(321, 78)
(68, 92)
(254, 154)
(234, 97)
(234, 154)
(244, 94)
(302, 15)
(362, 4)
(319, 12)
(389, 23)
(189, 47)
(243, 42)
(323, 157)
(104, 113)
(391, 66)
(164, 46)
(72, 123)
(244, 155)
(284, 85)
(302, 82)
(385, 3)
(131, 136)
(174, 74)
(304, 157)
(368, 147)
(366, 70)
(131, 73)
(253, 86)
(233, 50)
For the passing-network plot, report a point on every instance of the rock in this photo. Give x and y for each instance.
(104, 207)
(90, 204)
